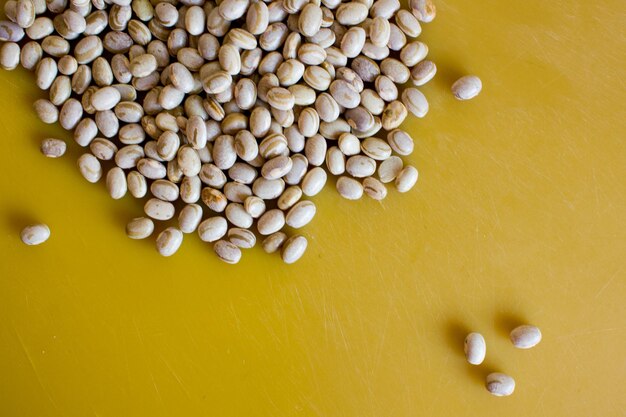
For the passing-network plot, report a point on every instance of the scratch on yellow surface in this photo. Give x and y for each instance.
(518, 216)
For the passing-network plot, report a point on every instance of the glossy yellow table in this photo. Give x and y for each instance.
(518, 216)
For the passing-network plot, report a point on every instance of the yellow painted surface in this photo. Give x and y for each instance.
(519, 216)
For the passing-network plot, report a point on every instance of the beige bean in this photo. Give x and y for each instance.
(424, 10)
(45, 73)
(53, 148)
(370, 132)
(360, 166)
(46, 111)
(280, 98)
(327, 107)
(107, 123)
(241, 238)
(139, 228)
(214, 199)
(406, 179)
(10, 32)
(351, 14)
(345, 94)
(101, 72)
(366, 68)
(270, 222)
(105, 98)
(70, 114)
(245, 94)
(379, 31)
(81, 79)
(151, 169)
(158, 209)
(212, 229)
(314, 181)
(217, 82)
(274, 242)
(499, 384)
(229, 59)
(310, 20)
(298, 169)
(268, 189)
(41, 27)
(116, 183)
(85, 131)
(308, 122)
(55, 46)
(189, 218)
(289, 197)
(301, 214)
(295, 138)
(466, 88)
(31, 54)
(168, 242)
(224, 153)
(393, 115)
(293, 249)
(227, 251)
(408, 23)
(315, 150)
(360, 119)
(10, 55)
(25, 13)
(400, 142)
(377, 53)
(103, 149)
(389, 169)
(96, 23)
(415, 102)
(137, 185)
(353, 41)
(372, 101)
(475, 348)
(311, 54)
(254, 206)
(164, 190)
(88, 49)
(376, 149)
(276, 167)
(128, 156)
(257, 18)
(189, 161)
(395, 70)
(349, 144)
(35, 234)
(290, 72)
(143, 65)
(349, 188)
(525, 336)
(90, 167)
(423, 72)
(190, 188)
(317, 78)
(139, 32)
(237, 192)
(374, 188)
(237, 215)
(129, 112)
(334, 129)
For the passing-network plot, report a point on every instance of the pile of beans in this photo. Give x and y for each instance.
(230, 112)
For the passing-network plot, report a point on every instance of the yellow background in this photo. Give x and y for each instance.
(519, 216)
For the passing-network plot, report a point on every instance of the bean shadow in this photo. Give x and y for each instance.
(17, 219)
(505, 322)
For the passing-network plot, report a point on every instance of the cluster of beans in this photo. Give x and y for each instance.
(236, 110)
